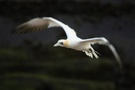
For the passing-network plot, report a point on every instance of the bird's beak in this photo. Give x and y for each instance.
(56, 45)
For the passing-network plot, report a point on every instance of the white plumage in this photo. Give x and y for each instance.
(72, 41)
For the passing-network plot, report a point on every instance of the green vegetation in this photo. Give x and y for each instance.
(44, 68)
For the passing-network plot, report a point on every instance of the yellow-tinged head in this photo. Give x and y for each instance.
(62, 43)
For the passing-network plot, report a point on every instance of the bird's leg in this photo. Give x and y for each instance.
(93, 52)
(88, 53)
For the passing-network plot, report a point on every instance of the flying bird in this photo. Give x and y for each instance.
(72, 41)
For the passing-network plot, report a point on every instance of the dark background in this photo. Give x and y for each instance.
(29, 62)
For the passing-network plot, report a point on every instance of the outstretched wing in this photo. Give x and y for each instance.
(104, 41)
(38, 24)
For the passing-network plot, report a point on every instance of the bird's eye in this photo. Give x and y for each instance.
(61, 43)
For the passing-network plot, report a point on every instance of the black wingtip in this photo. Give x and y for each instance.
(13, 31)
(16, 32)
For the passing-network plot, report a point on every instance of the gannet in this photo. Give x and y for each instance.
(72, 41)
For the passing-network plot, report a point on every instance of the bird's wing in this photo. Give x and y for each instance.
(104, 41)
(38, 24)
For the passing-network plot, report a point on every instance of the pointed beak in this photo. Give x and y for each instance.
(56, 45)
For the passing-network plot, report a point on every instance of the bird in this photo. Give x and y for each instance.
(72, 41)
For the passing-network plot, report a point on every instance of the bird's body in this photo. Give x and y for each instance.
(72, 41)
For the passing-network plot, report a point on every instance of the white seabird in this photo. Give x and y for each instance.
(72, 41)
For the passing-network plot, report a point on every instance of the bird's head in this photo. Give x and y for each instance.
(61, 43)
